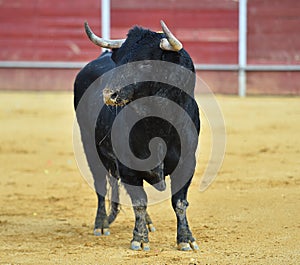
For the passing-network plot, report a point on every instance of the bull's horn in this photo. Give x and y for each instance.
(110, 44)
(170, 43)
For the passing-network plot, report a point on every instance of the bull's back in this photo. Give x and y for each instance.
(90, 73)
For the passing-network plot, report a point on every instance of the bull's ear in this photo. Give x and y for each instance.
(109, 44)
(170, 43)
(115, 55)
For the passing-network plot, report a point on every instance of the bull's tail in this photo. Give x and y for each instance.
(114, 199)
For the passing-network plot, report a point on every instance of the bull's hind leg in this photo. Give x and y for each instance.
(138, 197)
(185, 239)
(101, 221)
(150, 225)
(114, 199)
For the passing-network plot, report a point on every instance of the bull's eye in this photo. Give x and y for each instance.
(114, 95)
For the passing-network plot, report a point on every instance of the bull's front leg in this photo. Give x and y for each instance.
(185, 239)
(140, 238)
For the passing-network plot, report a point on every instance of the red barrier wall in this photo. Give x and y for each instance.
(273, 38)
(34, 30)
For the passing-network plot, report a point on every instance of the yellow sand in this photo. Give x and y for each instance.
(250, 215)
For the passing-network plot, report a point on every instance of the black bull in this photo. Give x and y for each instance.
(142, 46)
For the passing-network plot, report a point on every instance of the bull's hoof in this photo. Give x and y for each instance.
(135, 245)
(146, 246)
(101, 231)
(194, 245)
(151, 228)
(184, 246)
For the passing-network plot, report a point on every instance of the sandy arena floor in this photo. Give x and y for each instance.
(250, 215)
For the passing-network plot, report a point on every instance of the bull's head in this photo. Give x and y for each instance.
(140, 45)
